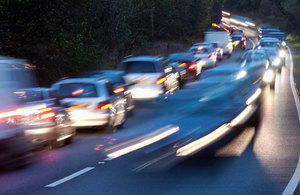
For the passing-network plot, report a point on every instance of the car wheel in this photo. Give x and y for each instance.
(71, 139)
(272, 85)
(221, 59)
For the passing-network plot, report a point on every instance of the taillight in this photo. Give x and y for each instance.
(161, 80)
(219, 49)
(200, 48)
(192, 66)
(104, 106)
(228, 45)
(243, 39)
(47, 113)
(119, 90)
(212, 56)
(227, 30)
(7, 116)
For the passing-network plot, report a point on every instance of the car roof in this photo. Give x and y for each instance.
(143, 58)
(82, 80)
(182, 55)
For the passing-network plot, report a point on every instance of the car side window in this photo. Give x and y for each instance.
(160, 66)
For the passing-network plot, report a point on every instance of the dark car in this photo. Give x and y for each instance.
(44, 119)
(239, 39)
(115, 77)
(187, 66)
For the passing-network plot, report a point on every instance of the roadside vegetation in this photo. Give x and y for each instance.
(63, 38)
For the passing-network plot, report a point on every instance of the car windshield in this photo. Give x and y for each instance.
(140, 67)
(77, 90)
(268, 44)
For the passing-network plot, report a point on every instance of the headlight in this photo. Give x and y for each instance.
(276, 62)
(283, 43)
(282, 53)
(268, 76)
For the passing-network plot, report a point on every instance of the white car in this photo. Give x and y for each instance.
(207, 55)
(149, 77)
(223, 38)
(91, 102)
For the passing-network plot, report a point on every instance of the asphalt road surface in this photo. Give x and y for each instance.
(259, 160)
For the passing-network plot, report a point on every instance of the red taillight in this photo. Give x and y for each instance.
(119, 90)
(105, 106)
(243, 39)
(192, 66)
(212, 56)
(19, 92)
(161, 80)
(47, 113)
(227, 30)
(7, 116)
(79, 91)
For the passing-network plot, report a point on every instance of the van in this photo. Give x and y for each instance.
(223, 38)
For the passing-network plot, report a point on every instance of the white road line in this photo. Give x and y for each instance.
(292, 82)
(292, 185)
(252, 43)
(69, 177)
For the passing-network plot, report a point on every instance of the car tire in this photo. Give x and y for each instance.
(71, 139)
(221, 59)
(255, 119)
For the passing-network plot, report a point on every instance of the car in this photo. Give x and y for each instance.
(265, 31)
(223, 38)
(115, 77)
(280, 36)
(275, 49)
(239, 39)
(205, 54)
(259, 61)
(187, 66)
(150, 77)
(92, 102)
(44, 119)
(215, 45)
(16, 148)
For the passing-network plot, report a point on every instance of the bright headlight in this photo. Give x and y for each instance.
(281, 53)
(268, 76)
(276, 62)
(283, 43)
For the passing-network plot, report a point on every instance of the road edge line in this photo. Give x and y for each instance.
(293, 184)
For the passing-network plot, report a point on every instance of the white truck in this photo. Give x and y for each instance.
(223, 38)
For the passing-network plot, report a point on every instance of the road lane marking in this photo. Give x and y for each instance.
(252, 43)
(78, 173)
(292, 82)
(293, 184)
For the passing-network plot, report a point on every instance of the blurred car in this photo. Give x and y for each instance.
(150, 77)
(239, 39)
(215, 45)
(280, 36)
(15, 147)
(115, 77)
(44, 119)
(266, 31)
(207, 55)
(275, 50)
(187, 66)
(92, 102)
(260, 62)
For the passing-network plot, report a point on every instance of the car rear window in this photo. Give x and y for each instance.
(77, 90)
(139, 67)
(269, 44)
(29, 95)
(180, 57)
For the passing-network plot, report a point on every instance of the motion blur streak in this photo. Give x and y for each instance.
(242, 116)
(199, 144)
(147, 140)
(204, 141)
(254, 96)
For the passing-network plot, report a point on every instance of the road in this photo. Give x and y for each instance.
(258, 160)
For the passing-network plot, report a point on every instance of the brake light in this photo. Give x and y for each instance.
(119, 90)
(219, 49)
(212, 56)
(105, 106)
(79, 91)
(227, 30)
(47, 113)
(192, 66)
(19, 92)
(161, 80)
(243, 39)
